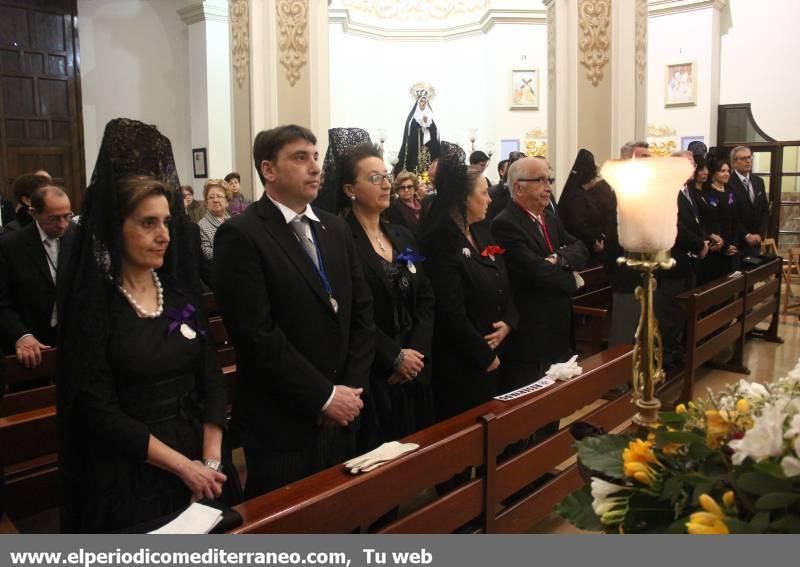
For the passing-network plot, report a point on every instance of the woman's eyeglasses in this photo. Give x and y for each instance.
(377, 178)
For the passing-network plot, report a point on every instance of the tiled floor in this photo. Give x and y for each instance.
(766, 361)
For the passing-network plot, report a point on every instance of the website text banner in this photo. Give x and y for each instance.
(393, 551)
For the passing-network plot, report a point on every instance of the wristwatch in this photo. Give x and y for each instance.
(213, 464)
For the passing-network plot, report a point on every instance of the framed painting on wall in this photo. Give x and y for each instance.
(680, 84)
(200, 163)
(524, 89)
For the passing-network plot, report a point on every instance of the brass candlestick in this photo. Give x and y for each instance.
(648, 352)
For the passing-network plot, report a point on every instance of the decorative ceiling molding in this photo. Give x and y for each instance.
(490, 18)
(594, 17)
(667, 7)
(204, 12)
(240, 39)
(292, 38)
(421, 10)
(640, 47)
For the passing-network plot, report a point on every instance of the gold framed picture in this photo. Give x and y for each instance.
(680, 84)
(524, 89)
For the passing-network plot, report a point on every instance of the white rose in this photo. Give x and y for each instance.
(764, 439)
(794, 428)
(790, 466)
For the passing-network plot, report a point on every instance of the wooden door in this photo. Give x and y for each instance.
(41, 126)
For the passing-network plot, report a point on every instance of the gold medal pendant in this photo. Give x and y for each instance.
(188, 332)
(334, 304)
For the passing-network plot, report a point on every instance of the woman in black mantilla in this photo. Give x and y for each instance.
(578, 208)
(420, 138)
(141, 398)
(403, 300)
(474, 309)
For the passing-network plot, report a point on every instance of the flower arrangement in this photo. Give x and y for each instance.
(729, 463)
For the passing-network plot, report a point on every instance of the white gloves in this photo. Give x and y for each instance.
(565, 370)
(578, 280)
(383, 454)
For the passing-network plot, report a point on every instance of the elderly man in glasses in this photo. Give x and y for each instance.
(32, 265)
(752, 201)
(542, 258)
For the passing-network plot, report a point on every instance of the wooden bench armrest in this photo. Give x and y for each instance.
(593, 312)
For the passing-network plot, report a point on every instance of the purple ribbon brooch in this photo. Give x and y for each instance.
(409, 257)
(184, 320)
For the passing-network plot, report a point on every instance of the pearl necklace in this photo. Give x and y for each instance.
(140, 311)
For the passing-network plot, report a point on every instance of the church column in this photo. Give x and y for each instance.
(210, 87)
(597, 53)
(289, 68)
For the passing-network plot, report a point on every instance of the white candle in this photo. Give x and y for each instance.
(647, 200)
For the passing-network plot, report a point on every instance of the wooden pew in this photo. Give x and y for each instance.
(763, 299)
(591, 306)
(334, 501)
(20, 399)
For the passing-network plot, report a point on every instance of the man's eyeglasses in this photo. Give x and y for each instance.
(744, 158)
(377, 178)
(55, 218)
(540, 179)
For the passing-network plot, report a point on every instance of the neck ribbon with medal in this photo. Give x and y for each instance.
(323, 275)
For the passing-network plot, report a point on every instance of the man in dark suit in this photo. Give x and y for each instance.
(32, 263)
(542, 258)
(752, 202)
(24, 186)
(299, 313)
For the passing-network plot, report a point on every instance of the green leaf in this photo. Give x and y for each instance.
(756, 482)
(678, 526)
(737, 526)
(647, 514)
(760, 522)
(671, 488)
(790, 524)
(577, 510)
(701, 488)
(776, 501)
(770, 468)
(684, 437)
(672, 419)
(603, 453)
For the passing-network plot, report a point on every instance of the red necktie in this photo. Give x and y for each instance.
(544, 232)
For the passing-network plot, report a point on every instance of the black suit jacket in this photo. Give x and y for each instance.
(542, 291)
(472, 293)
(751, 218)
(690, 239)
(291, 345)
(422, 302)
(27, 290)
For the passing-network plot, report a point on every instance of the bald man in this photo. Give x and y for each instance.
(542, 258)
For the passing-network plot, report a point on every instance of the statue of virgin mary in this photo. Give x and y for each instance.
(420, 137)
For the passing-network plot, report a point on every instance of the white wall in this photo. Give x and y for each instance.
(134, 64)
(678, 38)
(759, 64)
(370, 82)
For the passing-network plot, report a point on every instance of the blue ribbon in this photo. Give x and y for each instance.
(185, 316)
(408, 255)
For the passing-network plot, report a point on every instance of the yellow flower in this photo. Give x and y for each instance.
(710, 505)
(680, 408)
(711, 521)
(743, 406)
(717, 428)
(640, 451)
(729, 499)
(703, 523)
